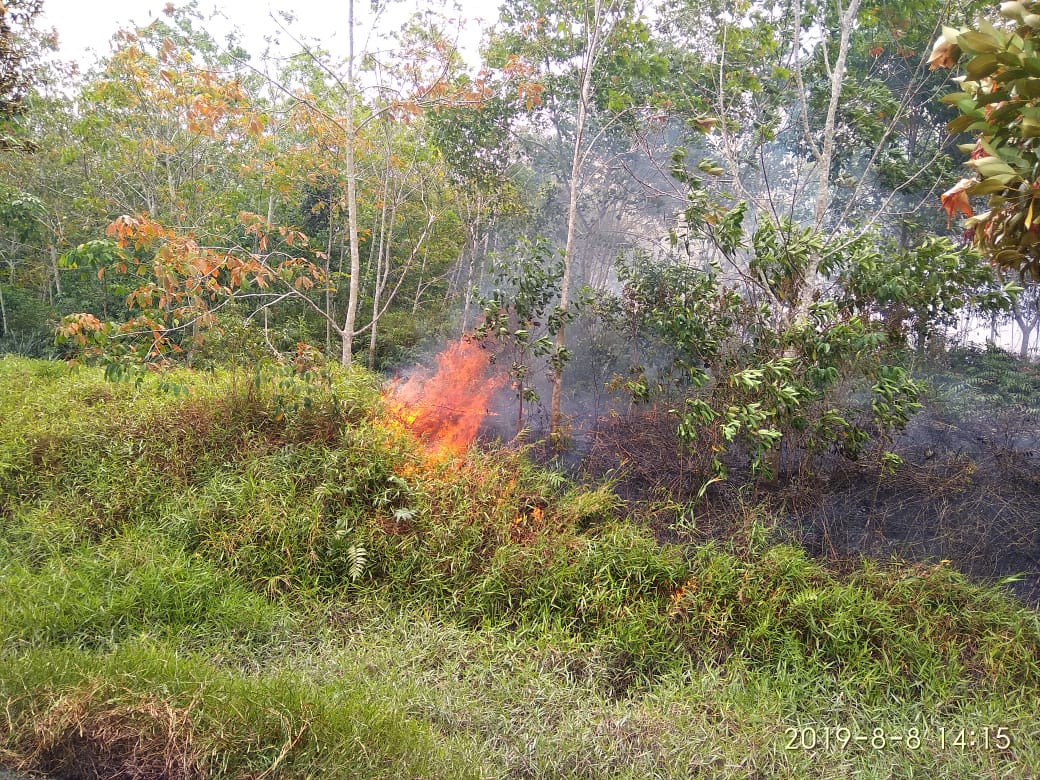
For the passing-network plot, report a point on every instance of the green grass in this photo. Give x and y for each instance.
(143, 706)
(232, 582)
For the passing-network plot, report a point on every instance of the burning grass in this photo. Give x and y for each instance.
(447, 405)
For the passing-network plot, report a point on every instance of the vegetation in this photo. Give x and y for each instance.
(200, 585)
(997, 103)
(16, 26)
(704, 243)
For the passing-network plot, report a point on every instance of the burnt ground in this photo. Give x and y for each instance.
(968, 491)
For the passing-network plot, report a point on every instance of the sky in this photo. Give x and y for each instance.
(84, 29)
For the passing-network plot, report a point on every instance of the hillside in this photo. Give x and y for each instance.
(250, 577)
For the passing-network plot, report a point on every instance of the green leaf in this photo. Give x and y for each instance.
(982, 66)
(961, 123)
(1029, 128)
(992, 166)
(1027, 87)
(986, 187)
(978, 42)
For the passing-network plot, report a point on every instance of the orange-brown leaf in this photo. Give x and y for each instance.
(956, 200)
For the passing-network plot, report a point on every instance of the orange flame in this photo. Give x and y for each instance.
(446, 406)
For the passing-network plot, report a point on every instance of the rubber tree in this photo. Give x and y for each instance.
(560, 47)
(821, 114)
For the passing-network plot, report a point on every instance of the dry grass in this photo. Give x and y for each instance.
(112, 735)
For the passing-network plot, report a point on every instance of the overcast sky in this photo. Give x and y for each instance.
(85, 27)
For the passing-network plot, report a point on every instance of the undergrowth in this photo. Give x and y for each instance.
(227, 582)
(988, 380)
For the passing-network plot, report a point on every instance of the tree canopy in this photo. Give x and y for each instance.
(16, 53)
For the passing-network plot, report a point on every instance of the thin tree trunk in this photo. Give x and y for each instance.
(173, 193)
(810, 280)
(469, 278)
(471, 248)
(519, 406)
(374, 330)
(382, 272)
(592, 50)
(54, 269)
(467, 294)
(419, 287)
(1025, 326)
(352, 217)
(377, 219)
(329, 314)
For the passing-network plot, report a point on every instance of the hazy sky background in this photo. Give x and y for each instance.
(87, 27)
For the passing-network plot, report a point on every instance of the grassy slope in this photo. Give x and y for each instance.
(176, 600)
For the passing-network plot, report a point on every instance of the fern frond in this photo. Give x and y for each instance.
(357, 558)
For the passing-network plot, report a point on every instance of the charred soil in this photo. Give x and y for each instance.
(967, 491)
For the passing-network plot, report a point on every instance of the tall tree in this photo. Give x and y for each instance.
(821, 116)
(350, 324)
(559, 48)
(16, 53)
(594, 34)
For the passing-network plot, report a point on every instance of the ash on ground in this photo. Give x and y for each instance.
(967, 492)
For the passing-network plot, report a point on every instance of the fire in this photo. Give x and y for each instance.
(446, 406)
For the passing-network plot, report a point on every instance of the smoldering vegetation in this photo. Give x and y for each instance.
(966, 493)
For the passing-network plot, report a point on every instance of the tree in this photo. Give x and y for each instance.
(1026, 314)
(591, 52)
(425, 77)
(164, 118)
(21, 216)
(350, 130)
(188, 283)
(999, 102)
(818, 112)
(519, 315)
(784, 268)
(16, 53)
(565, 44)
(922, 289)
(171, 114)
(740, 386)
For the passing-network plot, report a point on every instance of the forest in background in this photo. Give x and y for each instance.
(614, 187)
(690, 271)
(177, 181)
